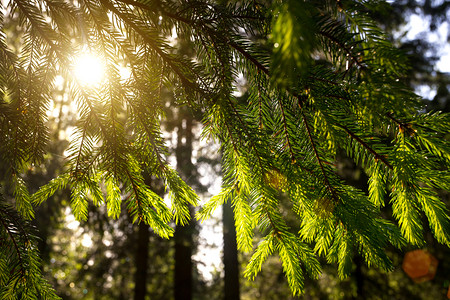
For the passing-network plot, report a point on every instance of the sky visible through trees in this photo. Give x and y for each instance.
(418, 27)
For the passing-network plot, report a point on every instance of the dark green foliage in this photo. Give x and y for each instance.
(293, 38)
(20, 273)
(322, 79)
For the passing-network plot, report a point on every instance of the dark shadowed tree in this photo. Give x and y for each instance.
(184, 235)
(230, 255)
(142, 262)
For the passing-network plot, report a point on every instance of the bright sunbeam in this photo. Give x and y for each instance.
(89, 70)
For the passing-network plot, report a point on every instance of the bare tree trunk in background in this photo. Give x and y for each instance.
(359, 277)
(141, 260)
(230, 255)
(184, 235)
(183, 261)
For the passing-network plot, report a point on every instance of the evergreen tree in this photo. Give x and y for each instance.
(184, 235)
(230, 255)
(323, 79)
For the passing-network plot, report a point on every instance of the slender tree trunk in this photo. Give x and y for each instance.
(140, 288)
(230, 255)
(183, 262)
(359, 277)
(184, 243)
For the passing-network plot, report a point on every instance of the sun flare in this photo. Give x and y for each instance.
(89, 70)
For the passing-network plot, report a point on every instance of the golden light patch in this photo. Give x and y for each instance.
(89, 69)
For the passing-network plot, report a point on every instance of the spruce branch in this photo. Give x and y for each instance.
(77, 160)
(148, 135)
(162, 54)
(316, 153)
(405, 127)
(22, 276)
(233, 142)
(248, 56)
(35, 18)
(243, 126)
(366, 146)
(12, 237)
(298, 120)
(44, 30)
(286, 132)
(347, 49)
(136, 193)
(260, 122)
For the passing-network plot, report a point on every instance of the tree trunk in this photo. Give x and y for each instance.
(359, 277)
(140, 280)
(230, 255)
(184, 243)
(183, 261)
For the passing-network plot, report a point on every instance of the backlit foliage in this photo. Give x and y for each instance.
(321, 78)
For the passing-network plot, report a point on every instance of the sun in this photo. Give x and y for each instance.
(89, 70)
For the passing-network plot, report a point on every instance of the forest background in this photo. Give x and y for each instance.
(97, 257)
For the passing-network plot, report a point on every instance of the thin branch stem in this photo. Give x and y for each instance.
(365, 145)
(136, 193)
(249, 57)
(164, 56)
(316, 153)
(11, 236)
(286, 133)
(333, 39)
